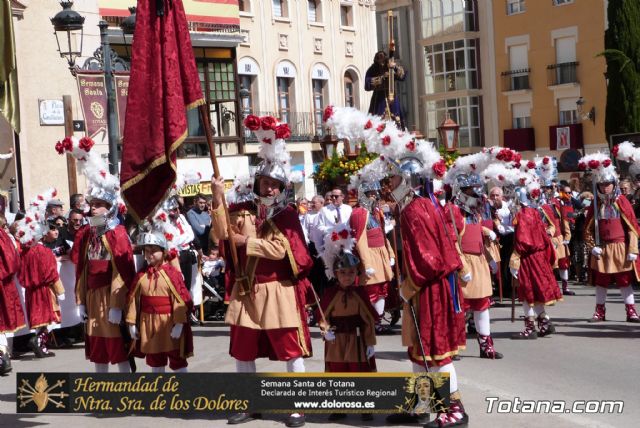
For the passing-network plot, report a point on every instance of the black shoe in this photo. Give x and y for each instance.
(33, 346)
(366, 417)
(455, 357)
(384, 330)
(568, 292)
(407, 418)
(337, 416)
(295, 421)
(5, 364)
(240, 418)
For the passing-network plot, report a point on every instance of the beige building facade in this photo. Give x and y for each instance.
(552, 88)
(298, 57)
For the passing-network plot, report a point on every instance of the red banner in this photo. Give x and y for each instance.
(121, 81)
(93, 100)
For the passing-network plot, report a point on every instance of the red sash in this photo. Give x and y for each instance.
(99, 273)
(155, 304)
(375, 237)
(611, 230)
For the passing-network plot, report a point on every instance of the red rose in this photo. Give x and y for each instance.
(606, 163)
(168, 236)
(328, 112)
(252, 122)
(334, 236)
(501, 177)
(60, 148)
(368, 125)
(614, 151)
(283, 131)
(517, 157)
(266, 140)
(535, 193)
(40, 198)
(531, 165)
(86, 143)
(505, 155)
(28, 220)
(522, 181)
(268, 123)
(173, 253)
(54, 194)
(594, 164)
(545, 160)
(517, 165)
(381, 127)
(386, 140)
(582, 166)
(67, 144)
(439, 168)
(103, 173)
(344, 234)
(411, 145)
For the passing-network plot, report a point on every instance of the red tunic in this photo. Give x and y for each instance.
(11, 314)
(430, 257)
(38, 274)
(537, 283)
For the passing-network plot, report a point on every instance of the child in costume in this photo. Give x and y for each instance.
(347, 318)
(158, 304)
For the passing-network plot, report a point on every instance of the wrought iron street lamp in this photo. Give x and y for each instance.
(71, 22)
(329, 145)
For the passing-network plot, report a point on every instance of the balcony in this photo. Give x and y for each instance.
(303, 125)
(562, 137)
(515, 80)
(562, 74)
(520, 139)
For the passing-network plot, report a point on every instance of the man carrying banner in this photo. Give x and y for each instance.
(611, 231)
(267, 304)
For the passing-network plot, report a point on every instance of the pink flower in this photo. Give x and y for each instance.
(252, 122)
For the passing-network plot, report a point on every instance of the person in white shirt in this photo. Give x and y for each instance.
(334, 213)
(312, 220)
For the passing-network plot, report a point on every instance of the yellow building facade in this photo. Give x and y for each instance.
(550, 80)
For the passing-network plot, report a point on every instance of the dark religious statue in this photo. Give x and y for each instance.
(377, 80)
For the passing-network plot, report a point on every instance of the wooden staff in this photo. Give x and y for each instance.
(239, 270)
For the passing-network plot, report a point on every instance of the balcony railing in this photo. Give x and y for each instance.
(561, 74)
(304, 125)
(515, 80)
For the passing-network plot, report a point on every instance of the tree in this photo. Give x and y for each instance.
(622, 52)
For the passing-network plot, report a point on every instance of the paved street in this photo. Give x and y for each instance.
(581, 362)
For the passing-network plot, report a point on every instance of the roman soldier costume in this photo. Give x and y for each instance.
(611, 232)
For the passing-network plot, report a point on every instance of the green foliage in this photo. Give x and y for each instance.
(337, 169)
(622, 52)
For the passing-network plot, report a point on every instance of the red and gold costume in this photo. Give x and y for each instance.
(558, 229)
(270, 319)
(104, 269)
(533, 256)
(39, 277)
(374, 251)
(354, 318)
(11, 314)
(431, 259)
(618, 238)
(157, 300)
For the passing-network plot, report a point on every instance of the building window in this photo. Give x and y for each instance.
(515, 6)
(314, 10)
(568, 113)
(247, 102)
(346, 15)
(351, 89)
(561, 2)
(218, 81)
(521, 114)
(280, 8)
(319, 88)
(441, 17)
(451, 66)
(285, 96)
(465, 111)
(244, 6)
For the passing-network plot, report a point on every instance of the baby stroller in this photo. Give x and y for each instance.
(213, 290)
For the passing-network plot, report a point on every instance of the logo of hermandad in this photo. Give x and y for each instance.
(41, 393)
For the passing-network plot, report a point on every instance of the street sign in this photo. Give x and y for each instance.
(78, 126)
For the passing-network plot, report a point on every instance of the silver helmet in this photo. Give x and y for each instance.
(276, 172)
(368, 187)
(409, 169)
(152, 238)
(171, 203)
(345, 260)
(108, 220)
(464, 182)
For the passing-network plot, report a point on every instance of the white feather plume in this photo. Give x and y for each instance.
(334, 242)
(31, 228)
